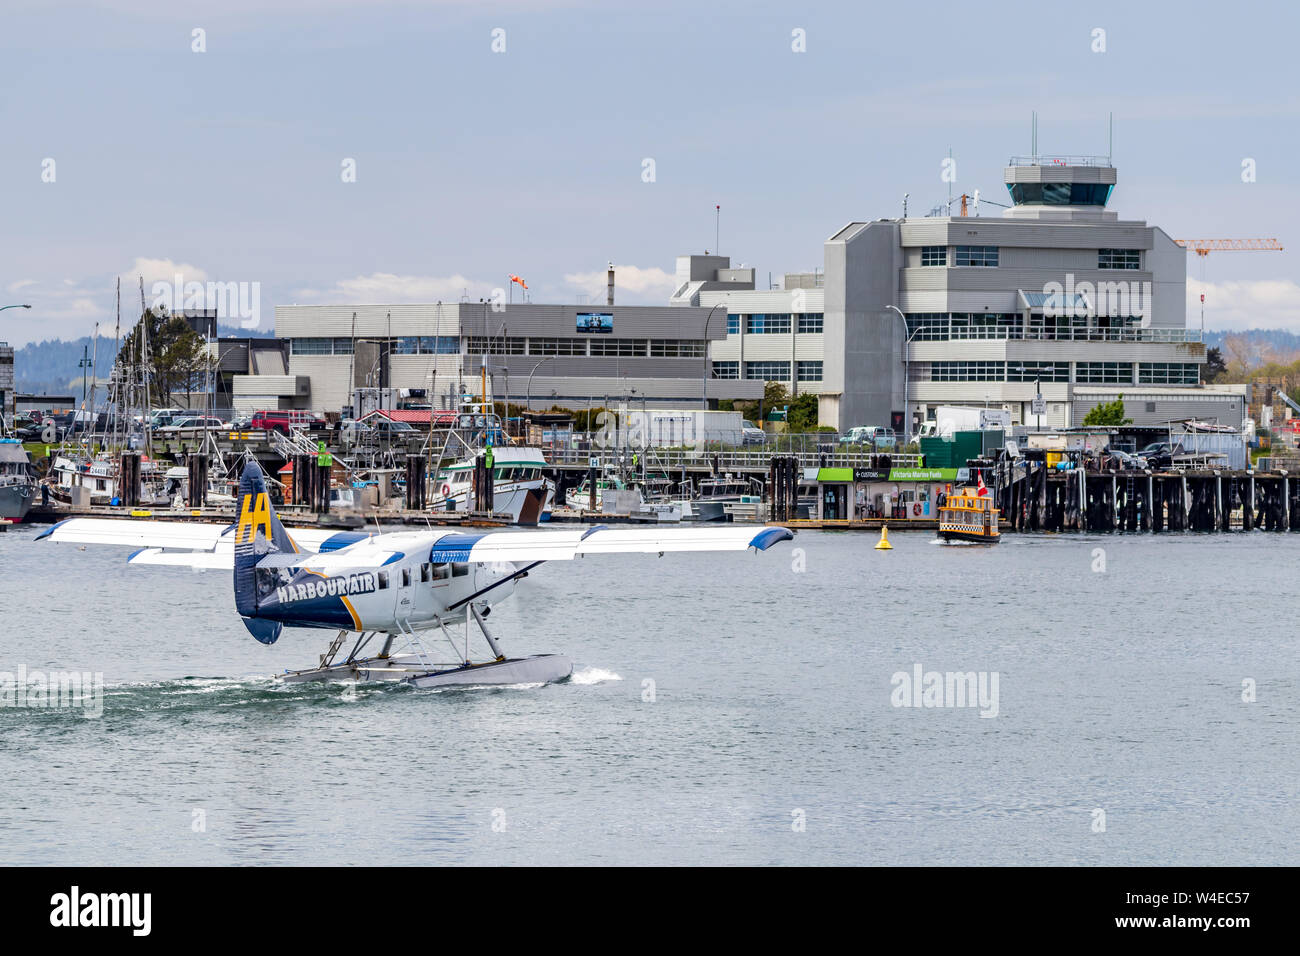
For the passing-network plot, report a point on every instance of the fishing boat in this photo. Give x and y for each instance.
(715, 494)
(519, 487)
(969, 515)
(17, 486)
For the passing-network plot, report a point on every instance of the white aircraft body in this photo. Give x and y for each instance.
(401, 586)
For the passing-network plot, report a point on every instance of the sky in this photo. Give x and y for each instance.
(491, 139)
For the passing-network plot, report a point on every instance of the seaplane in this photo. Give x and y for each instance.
(399, 593)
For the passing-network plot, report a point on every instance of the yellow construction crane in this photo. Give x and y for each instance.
(1203, 247)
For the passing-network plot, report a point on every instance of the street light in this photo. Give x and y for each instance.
(907, 361)
(3, 307)
(704, 384)
(528, 401)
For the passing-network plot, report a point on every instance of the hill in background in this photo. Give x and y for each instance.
(53, 367)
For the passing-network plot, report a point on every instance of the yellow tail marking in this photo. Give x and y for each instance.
(253, 516)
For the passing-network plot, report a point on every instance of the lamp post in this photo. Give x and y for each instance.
(907, 361)
(704, 383)
(3, 307)
(528, 401)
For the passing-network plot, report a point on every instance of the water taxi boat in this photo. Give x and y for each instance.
(969, 516)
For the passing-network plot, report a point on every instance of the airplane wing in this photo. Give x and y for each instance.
(184, 543)
(196, 545)
(519, 546)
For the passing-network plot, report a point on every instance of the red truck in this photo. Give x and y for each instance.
(282, 420)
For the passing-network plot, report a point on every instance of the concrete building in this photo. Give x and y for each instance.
(6, 381)
(772, 335)
(915, 313)
(1058, 290)
(574, 356)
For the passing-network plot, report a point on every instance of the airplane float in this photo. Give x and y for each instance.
(386, 588)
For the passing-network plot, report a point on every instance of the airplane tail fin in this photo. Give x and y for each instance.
(257, 534)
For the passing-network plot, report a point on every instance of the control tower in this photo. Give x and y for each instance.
(1060, 188)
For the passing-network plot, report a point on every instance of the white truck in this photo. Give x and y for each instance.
(949, 419)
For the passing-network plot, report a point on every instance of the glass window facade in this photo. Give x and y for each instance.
(1038, 371)
(730, 370)
(676, 348)
(986, 256)
(733, 323)
(811, 322)
(768, 371)
(442, 345)
(1119, 258)
(967, 371)
(1059, 194)
(621, 347)
(934, 255)
(1103, 373)
(772, 323)
(1168, 373)
(810, 371)
(479, 345)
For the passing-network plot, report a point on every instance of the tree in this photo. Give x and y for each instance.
(177, 355)
(803, 414)
(1107, 413)
(1214, 364)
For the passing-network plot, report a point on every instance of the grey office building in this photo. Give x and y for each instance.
(909, 314)
(574, 356)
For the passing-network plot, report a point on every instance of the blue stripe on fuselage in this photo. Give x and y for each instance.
(337, 542)
(454, 547)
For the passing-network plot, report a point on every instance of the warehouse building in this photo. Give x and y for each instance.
(574, 356)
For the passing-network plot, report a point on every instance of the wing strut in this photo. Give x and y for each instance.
(495, 584)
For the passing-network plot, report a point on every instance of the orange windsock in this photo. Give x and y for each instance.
(515, 278)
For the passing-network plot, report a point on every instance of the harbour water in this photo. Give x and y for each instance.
(724, 709)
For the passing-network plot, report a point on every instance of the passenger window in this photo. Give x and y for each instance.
(459, 570)
(441, 572)
(383, 580)
(406, 577)
(424, 572)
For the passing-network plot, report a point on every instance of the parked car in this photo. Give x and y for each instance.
(751, 434)
(875, 435)
(1127, 461)
(1160, 454)
(282, 420)
(188, 422)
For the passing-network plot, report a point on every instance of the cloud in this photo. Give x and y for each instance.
(162, 270)
(1246, 304)
(384, 287)
(648, 286)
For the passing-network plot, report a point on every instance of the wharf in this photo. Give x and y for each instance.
(289, 515)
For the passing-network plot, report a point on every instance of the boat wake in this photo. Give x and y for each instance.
(593, 675)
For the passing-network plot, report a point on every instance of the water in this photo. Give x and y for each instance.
(1119, 691)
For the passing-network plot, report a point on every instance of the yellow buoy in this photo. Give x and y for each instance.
(883, 544)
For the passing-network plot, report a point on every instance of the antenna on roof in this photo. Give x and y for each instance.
(1033, 146)
(1110, 139)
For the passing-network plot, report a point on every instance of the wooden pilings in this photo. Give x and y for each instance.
(1034, 498)
(783, 487)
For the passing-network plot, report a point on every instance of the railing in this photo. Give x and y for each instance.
(822, 450)
(939, 333)
(1059, 160)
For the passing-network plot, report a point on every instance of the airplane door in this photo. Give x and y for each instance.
(405, 594)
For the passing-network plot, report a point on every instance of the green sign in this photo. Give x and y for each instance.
(923, 474)
(834, 474)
